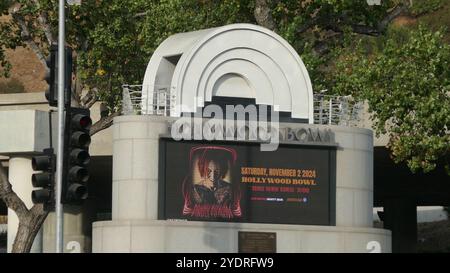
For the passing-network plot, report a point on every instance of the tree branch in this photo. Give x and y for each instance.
(10, 198)
(309, 24)
(42, 19)
(28, 229)
(28, 39)
(331, 24)
(263, 15)
(366, 30)
(140, 14)
(382, 26)
(30, 221)
(38, 209)
(397, 11)
(103, 123)
(90, 102)
(90, 98)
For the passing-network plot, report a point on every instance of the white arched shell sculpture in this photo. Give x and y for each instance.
(238, 60)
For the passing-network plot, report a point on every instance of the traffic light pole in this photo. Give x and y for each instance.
(60, 149)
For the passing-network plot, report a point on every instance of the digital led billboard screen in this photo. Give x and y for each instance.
(236, 182)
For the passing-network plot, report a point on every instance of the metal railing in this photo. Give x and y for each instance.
(337, 110)
(134, 103)
(328, 109)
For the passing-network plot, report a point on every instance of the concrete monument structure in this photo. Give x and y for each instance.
(232, 63)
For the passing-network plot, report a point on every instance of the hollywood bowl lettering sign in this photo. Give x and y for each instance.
(260, 132)
(307, 135)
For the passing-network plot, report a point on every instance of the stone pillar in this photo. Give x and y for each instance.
(135, 166)
(354, 177)
(20, 172)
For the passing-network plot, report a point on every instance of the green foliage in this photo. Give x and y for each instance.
(9, 38)
(406, 80)
(437, 19)
(168, 17)
(292, 15)
(312, 26)
(114, 39)
(424, 6)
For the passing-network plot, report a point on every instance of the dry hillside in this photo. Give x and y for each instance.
(27, 72)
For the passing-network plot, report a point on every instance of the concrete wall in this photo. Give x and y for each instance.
(24, 131)
(424, 214)
(135, 228)
(166, 236)
(135, 166)
(101, 142)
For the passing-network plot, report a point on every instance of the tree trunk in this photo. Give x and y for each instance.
(103, 123)
(29, 226)
(30, 221)
(263, 14)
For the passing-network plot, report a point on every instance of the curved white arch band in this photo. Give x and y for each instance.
(239, 60)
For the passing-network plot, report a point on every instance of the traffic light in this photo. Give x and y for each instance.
(77, 158)
(51, 76)
(45, 179)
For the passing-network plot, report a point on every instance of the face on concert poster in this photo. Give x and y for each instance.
(236, 182)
